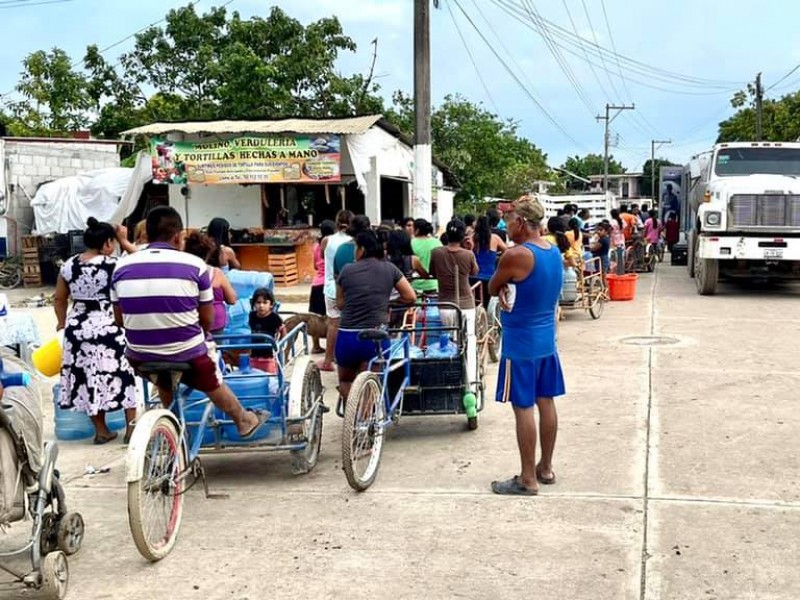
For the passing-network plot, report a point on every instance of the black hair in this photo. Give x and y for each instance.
(343, 218)
(97, 234)
(556, 225)
(326, 228)
(584, 211)
(623, 208)
(405, 220)
(422, 227)
(163, 224)
(368, 241)
(653, 214)
(560, 212)
(398, 246)
(617, 218)
(494, 217)
(575, 226)
(456, 230)
(569, 209)
(219, 230)
(483, 234)
(645, 208)
(358, 224)
(261, 293)
(469, 220)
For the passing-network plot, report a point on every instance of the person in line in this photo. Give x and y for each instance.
(163, 298)
(637, 212)
(204, 247)
(316, 301)
(618, 240)
(497, 224)
(672, 230)
(346, 253)
(264, 319)
(628, 222)
(487, 246)
(601, 248)
(653, 229)
(140, 235)
(96, 378)
(329, 246)
(453, 265)
(400, 254)
(408, 226)
(528, 280)
(219, 230)
(423, 244)
(363, 291)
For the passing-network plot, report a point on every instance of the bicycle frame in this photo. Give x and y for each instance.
(381, 360)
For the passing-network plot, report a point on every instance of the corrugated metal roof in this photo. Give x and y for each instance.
(353, 125)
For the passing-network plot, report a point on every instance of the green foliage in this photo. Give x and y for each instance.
(780, 120)
(584, 166)
(484, 152)
(55, 98)
(647, 172)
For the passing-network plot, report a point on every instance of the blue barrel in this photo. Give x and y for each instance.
(70, 424)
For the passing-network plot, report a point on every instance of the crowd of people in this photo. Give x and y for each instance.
(165, 298)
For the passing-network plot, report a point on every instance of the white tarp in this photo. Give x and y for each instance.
(396, 159)
(142, 173)
(66, 203)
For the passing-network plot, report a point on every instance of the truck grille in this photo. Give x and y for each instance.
(765, 210)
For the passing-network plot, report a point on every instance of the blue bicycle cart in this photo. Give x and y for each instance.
(403, 379)
(163, 459)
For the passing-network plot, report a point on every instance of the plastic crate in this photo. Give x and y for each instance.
(436, 386)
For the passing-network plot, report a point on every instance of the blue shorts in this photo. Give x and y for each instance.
(521, 382)
(351, 352)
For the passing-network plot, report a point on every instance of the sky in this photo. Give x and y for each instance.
(697, 52)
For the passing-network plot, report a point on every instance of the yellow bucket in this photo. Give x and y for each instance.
(47, 358)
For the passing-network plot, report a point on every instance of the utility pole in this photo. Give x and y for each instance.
(607, 140)
(759, 103)
(653, 168)
(422, 111)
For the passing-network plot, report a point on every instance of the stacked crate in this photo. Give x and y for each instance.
(31, 270)
(283, 267)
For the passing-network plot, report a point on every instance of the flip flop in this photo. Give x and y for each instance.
(546, 480)
(512, 487)
(262, 416)
(99, 441)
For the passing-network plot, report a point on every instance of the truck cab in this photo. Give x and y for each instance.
(743, 213)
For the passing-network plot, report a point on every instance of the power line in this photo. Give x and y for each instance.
(472, 59)
(631, 64)
(27, 3)
(789, 74)
(514, 76)
(594, 37)
(586, 54)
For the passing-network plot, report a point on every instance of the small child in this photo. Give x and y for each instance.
(264, 320)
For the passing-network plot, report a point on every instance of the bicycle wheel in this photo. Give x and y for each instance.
(155, 502)
(482, 337)
(303, 461)
(10, 277)
(362, 432)
(597, 298)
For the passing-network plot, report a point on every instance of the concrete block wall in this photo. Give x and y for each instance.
(33, 162)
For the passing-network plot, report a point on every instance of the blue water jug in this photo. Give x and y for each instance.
(70, 425)
(443, 349)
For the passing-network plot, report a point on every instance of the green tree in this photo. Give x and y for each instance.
(215, 66)
(55, 97)
(780, 121)
(584, 166)
(486, 153)
(647, 173)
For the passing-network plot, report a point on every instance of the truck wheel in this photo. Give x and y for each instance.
(691, 251)
(706, 274)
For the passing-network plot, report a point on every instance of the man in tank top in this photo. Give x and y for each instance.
(528, 280)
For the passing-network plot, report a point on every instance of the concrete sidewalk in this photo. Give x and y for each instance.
(672, 482)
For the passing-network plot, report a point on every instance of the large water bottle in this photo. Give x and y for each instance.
(443, 349)
(70, 425)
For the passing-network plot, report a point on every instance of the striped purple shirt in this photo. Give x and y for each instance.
(158, 290)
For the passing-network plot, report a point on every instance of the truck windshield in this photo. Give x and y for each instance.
(751, 161)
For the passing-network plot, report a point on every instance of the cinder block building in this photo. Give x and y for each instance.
(27, 163)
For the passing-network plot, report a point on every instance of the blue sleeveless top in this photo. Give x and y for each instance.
(487, 263)
(529, 328)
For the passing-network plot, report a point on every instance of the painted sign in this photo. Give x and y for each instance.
(248, 159)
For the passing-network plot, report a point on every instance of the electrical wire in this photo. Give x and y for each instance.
(472, 59)
(586, 54)
(785, 77)
(594, 37)
(514, 76)
(26, 3)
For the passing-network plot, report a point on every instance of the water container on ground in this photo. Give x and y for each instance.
(71, 425)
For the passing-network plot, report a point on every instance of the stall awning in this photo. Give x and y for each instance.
(353, 125)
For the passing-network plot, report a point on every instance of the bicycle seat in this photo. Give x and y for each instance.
(157, 367)
(374, 335)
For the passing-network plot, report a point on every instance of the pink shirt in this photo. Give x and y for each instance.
(319, 266)
(651, 232)
(617, 237)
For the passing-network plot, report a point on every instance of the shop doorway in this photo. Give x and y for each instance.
(394, 199)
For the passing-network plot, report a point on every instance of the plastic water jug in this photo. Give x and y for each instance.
(443, 349)
(413, 351)
(569, 290)
(70, 425)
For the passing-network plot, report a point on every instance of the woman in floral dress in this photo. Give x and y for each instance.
(95, 375)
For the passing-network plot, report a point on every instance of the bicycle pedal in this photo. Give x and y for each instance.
(325, 408)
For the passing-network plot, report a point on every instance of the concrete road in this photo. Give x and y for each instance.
(677, 478)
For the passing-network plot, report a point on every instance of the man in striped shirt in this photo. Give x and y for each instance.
(163, 298)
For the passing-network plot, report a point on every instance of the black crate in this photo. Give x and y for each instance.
(437, 385)
(680, 254)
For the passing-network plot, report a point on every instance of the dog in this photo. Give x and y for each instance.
(316, 326)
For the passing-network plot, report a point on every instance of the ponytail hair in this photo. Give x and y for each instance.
(97, 234)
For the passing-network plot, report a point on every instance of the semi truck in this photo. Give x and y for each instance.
(742, 213)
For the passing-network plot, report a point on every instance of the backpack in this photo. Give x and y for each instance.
(12, 493)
